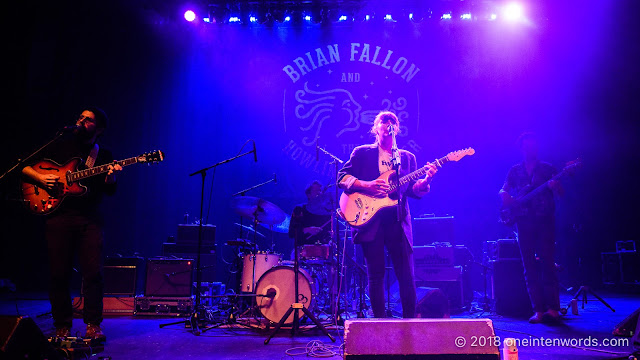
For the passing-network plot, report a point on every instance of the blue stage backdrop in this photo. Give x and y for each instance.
(200, 91)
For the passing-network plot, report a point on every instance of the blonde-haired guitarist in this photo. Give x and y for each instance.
(359, 174)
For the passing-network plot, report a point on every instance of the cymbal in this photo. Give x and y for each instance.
(249, 228)
(258, 209)
(283, 227)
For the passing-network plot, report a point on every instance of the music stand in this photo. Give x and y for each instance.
(296, 306)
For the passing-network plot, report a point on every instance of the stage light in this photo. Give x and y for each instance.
(253, 19)
(307, 18)
(234, 19)
(493, 16)
(287, 18)
(342, 18)
(189, 15)
(466, 16)
(513, 12)
(367, 17)
(411, 16)
(388, 17)
(446, 17)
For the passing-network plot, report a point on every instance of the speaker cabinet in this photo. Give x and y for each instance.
(510, 289)
(20, 338)
(368, 339)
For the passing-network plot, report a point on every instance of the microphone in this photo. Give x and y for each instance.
(275, 180)
(70, 128)
(317, 151)
(255, 154)
(271, 293)
(391, 129)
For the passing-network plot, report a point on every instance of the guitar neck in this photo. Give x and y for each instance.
(97, 170)
(535, 191)
(417, 174)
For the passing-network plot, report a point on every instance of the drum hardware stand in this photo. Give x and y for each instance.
(197, 314)
(581, 296)
(296, 307)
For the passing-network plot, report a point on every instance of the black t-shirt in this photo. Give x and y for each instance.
(302, 218)
(61, 152)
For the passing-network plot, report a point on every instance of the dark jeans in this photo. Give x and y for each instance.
(390, 234)
(68, 235)
(536, 237)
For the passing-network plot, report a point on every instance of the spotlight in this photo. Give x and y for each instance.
(287, 18)
(342, 18)
(513, 12)
(367, 17)
(493, 16)
(307, 17)
(388, 17)
(253, 19)
(411, 16)
(189, 15)
(234, 19)
(466, 16)
(446, 17)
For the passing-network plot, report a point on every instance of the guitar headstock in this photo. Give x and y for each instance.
(459, 154)
(151, 157)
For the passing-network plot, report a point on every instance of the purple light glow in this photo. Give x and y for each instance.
(189, 15)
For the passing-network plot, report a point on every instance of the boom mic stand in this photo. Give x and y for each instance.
(197, 314)
(334, 225)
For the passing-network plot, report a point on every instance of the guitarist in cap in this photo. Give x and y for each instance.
(536, 227)
(359, 174)
(76, 226)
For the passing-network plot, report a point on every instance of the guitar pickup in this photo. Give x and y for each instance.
(359, 203)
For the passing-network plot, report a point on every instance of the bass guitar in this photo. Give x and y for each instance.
(42, 201)
(519, 206)
(358, 208)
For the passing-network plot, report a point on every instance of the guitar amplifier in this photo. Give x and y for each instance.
(168, 277)
(447, 279)
(429, 229)
(437, 255)
(188, 234)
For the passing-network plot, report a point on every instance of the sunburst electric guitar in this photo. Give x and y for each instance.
(358, 208)
(44, 201)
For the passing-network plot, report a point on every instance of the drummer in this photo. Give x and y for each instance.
(313, 218)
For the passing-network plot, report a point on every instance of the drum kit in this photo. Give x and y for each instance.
(269, 279)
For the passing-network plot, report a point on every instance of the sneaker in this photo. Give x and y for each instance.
(551, 316)
(94, 332)
(63, 332)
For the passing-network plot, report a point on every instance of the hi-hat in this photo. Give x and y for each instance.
(260, 210)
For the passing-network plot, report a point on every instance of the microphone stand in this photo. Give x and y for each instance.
(395, 161)
(22, 161)
(334, 226)
(197, 312)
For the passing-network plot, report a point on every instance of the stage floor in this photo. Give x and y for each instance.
(138, 337)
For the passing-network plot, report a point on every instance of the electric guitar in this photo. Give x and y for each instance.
(519, 206)
(358, 208)
(42, 201)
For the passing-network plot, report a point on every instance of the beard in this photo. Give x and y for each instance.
(82, 134)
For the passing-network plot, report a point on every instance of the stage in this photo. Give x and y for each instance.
(141, 337)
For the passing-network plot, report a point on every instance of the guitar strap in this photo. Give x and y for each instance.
(93, 155)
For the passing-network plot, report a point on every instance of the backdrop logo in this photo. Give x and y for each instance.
(334, 95)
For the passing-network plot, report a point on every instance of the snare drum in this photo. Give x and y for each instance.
(263, 261)
(279, 287)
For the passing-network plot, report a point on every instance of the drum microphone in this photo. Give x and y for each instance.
(271, 293)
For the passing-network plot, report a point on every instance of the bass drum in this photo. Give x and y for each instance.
(278, 286)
